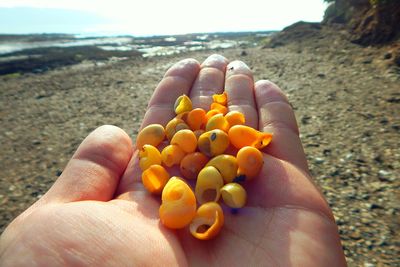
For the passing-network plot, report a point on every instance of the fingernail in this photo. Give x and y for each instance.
(237, 67)
(215, 61)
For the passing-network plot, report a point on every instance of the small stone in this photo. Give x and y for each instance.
(327, 152)
(355, 235)
(319, 160)
(243, 53)
(305, 119)
(349, 155)
(373, 206)
(393, 99)
(36, 142)
(321, 75)
(384, 121)
(367, 61)
(385, 176)
(387, 55)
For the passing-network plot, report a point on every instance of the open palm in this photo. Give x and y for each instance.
(98, 213)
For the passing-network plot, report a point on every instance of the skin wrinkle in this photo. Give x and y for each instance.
(292, 125)
(170, 84)
(211, 80)
(183, 65)
(241, 77)
(86, 194)
(262, 236)
(233, 233)
(278, 124)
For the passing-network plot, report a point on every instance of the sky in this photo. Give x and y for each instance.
(152, 17)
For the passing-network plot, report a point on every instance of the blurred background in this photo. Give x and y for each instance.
(67, 67)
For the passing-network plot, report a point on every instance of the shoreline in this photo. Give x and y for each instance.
(40, 53)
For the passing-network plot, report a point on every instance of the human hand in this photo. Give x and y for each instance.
(98, 213)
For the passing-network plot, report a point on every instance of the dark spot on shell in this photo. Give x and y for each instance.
(240, 178)
(213, 136)
(234, 210)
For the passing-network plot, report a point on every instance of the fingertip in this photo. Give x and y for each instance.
(238, 67)
(269, 91)
(183, 67)
(215, 61)
(109, 143)
(96, 167)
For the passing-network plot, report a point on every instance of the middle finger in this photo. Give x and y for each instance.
(210, 81)
(239, 86)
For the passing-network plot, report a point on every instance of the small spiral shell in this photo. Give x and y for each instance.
(208, 185)
(152, 134)
(241, 135)
(208, 221)
(226, 165)
(149, 155)
(234, 195)
(178, 206)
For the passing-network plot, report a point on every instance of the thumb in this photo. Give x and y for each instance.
(94, 170)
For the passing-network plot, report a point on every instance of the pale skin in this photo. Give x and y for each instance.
(98, 214)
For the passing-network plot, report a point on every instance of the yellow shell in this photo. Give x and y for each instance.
(235, 118)
(182, 104)
(186, 140)
(219, 107)
(178, 206)
(241, 135)
(192, 164)
(172, 155)
(155, 178)
(196, 119)
(220, 98)
(217, 121)
(213, 142)
(208, 221)
(226, 165)
(234, 195)
(250, 161)
(208, 185)
(152, 134)
(149, 155)
(174, 126)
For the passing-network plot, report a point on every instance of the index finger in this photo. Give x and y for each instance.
(276, 116)
(177, 80)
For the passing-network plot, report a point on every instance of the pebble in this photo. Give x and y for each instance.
(385, 176)
(319, 160)
(387, 55)
(372, 206)
(36, 142)
(355, 235)
(367, 61)
(349, 155)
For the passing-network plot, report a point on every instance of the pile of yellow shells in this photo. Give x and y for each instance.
(198, 142)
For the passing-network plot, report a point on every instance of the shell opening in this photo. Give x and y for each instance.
(202, 228)
(209, 195)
